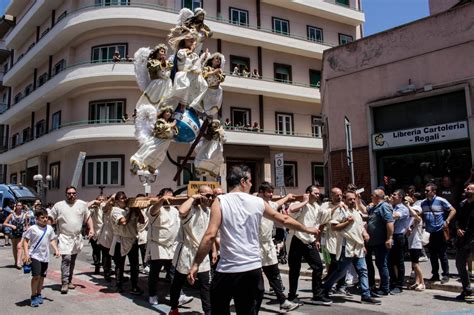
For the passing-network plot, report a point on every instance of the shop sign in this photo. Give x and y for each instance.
(422, 135)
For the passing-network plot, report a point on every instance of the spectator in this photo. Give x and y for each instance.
(41, 235)
(116, 57)
(125, 118)
(129, 59)
(434, 209)
(227, 124)
(18, 222)
(401, 215)
(255, 127)
(415, 244)
(236, 71)
(465, 241)
(246, 72)
(255, 74)
(6, 211)
(380, 229)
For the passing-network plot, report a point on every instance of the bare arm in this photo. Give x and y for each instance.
(8, 220)
(186, 206)
(298, 206)
(388, 242)
(155, 209)
(342, 225)
(452, 213)
(360, 206)
(54, 244)
(284, 200)
(26, 256)
(287, 221)
(414, 214)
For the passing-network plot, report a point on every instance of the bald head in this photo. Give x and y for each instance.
(378, 195)
(336, 195)
(204, 189)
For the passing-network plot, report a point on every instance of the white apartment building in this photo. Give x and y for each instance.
(62, 93)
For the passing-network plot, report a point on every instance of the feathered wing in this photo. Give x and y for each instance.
(183, 15)
(145, 122)
(141, 70)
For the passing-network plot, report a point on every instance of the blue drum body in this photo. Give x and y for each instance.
(188, 126)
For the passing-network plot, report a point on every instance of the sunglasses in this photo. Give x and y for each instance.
(71, 193)
(209, 196)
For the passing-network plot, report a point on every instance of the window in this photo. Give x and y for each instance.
(344, 39)
(105, 53)
(5, 68)
(106, 111)
(282, 73)
(17, 98)
(315, 78)
(104, 171)
(28, 89)
(281, 26)
(343, 2)
(111, 2)
(62, 16)
(187, 174)
(240, 62)
(23, 177)
(317, 171)
(240, 117)
(316, 126)
(191, 4)
(13, 178)
(315, 34)
(54, 171)
(238, 16)
(25, 135)
(284, 123)
(42, 79)
(60, 66)
(40, 128)
(56, 120)
(15, 140)
(290, 173)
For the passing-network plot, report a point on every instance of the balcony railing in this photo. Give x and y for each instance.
(126, 61)
(344, 5)
(3, 108)
(166, 9)
(14, 141)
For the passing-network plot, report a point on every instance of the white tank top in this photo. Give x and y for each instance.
(240, 245)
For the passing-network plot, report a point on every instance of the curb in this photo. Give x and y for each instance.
(429, 285)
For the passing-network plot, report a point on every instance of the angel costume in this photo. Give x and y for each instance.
(154, 143)
(210, 151)
(212, 100)
(157, 71)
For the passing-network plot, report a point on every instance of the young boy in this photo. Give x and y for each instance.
(40, 235)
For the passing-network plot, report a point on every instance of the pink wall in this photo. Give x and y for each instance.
(433, 51)
(437, 6)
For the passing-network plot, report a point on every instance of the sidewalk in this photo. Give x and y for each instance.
(454, 285)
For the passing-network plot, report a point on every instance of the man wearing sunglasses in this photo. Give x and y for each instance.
(237, 215)
(194, 214)
(70, 215)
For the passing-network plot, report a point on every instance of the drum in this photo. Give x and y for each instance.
(188, 126)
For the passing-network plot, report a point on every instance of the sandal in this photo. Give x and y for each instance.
(420, 287)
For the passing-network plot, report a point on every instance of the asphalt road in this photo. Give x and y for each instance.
(93, 295)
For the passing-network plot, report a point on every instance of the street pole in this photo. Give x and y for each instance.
(349, 156)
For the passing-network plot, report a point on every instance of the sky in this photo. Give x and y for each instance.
(381, 15)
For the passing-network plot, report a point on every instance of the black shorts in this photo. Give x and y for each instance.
(38, 268)
(415, 254)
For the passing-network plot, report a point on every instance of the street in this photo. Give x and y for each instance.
(92, 295)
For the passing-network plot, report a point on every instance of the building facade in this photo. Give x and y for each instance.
(408, 94)
(65, 95)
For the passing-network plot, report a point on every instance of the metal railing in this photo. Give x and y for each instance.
(354, 8)
(170, 10)
(15, 141)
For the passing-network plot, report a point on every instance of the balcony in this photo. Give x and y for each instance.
(89, 18)
(87, 131)
(327, 9)
(86, 73)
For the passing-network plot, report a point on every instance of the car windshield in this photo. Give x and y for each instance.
(22, 192)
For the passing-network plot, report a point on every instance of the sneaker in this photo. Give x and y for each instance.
(34, 301)
(71, 286)
(380, 293)
(153, 300)
(136, 291)
(444, 279)
(434, 278)
(118, 288)
(288, 306)
(420, 287)
(146, 270)
(97, 270)
(463, 295)
(413, 286)
(295, 299)
(396, 291)
(40, 298)
(174, 312)
(423, 259)
(184, 299)
(370, 300)
(321, 300)
(342, 291)
(64, 288)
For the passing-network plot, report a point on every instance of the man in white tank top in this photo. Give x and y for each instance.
(238, 217)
